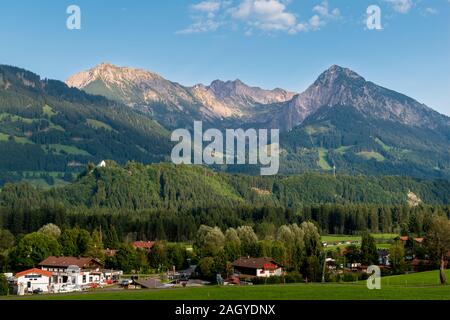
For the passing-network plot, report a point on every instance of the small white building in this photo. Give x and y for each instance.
(102, 164)
(33, 279)
(257, 267)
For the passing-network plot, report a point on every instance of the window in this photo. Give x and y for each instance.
(84, 279)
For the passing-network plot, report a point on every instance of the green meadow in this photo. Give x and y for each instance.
(418, 286)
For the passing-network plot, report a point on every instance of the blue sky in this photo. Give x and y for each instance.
(268, 43)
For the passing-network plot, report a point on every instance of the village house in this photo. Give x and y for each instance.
(33, 280)
(143, 245)
(257, 267)
(64, 274)
(72, 272)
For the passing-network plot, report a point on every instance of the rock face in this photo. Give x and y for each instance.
(170, 102)
(239, 94)
(413, 199)
(147, 90)
(236, 99)
(342, 87)
(130, 85)
(341, 120)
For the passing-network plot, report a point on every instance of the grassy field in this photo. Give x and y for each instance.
(323, 163)
(419, 286)
(343, 238)
(383, 240)
(58, 148)
(371, 155)
(98, 124)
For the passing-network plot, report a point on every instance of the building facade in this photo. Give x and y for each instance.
(33, 280)
(257, 267)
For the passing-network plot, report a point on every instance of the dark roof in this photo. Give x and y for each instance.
(254, 263)
(65, 262)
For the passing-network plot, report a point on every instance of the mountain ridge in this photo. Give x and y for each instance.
(277, 108)
(341, 121)
(147, 91)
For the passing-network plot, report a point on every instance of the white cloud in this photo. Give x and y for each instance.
(264, 15)
(272, 15)
(431, 11)
(315, 22)
(201, 26)
(401, 6)
(323, 10)
(207, 6)
(205, 17)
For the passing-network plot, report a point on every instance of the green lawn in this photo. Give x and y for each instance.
(371, 155)
(420, 286)
(4, 137)
(67, 149)
(383, 240)
(15, 118)
(383, 145)
(323, 163)
(343, 149)
(429, 278)
(22, 140)
(342, 238)
(48, 111)
(98, 124)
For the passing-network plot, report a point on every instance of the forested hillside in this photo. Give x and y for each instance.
(49, 131)
(136, 186)
(171, 202)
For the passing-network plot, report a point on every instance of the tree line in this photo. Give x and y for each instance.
(181, 225)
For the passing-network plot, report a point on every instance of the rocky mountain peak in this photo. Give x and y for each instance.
(337, 75)
(111, 74)
(338, 86)
(238, 93)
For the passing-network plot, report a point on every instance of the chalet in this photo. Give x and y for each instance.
(144, 245)
(73, 271)
(257, 267)
(60, 264)
(33, 280)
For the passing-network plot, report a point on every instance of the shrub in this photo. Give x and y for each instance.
(4, 287)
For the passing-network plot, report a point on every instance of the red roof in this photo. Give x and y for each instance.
(143, 244)
(65, 262)
(34, 271)
(406, 238)
(256, 263)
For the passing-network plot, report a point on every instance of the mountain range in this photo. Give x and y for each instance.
(341, 122)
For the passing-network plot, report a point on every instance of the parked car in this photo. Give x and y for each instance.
(126, 282)
(38, 291)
